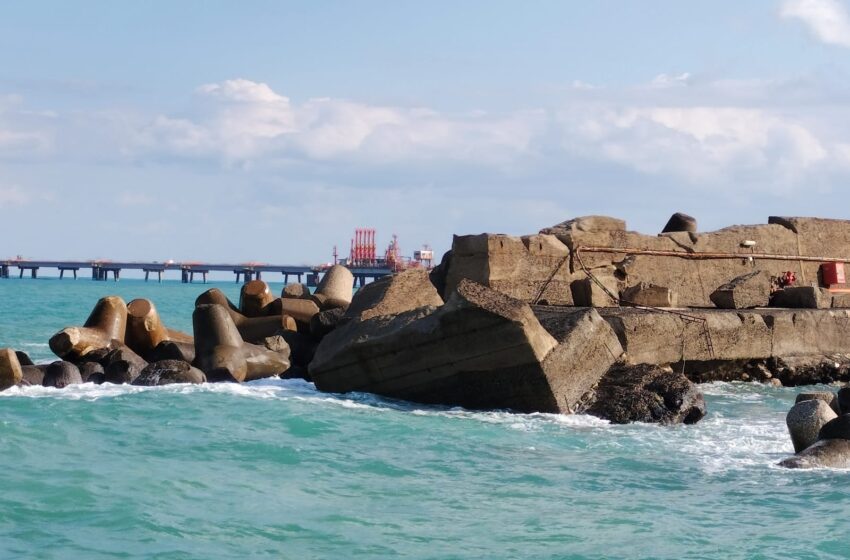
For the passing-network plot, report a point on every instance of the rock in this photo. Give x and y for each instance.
(167, 372)
(481, 350)
(337, 286)
(802, 297)
(301, 348)
(587, 293)
(170, 350)
(10, 369)
(680, 222)
(61, 374)
(828, 397)
(827, 453)
(844, 400)
(24, 359)
(534, 268)
(837, 428)
(123, 366)
(804, 421)
(841, 301)
(439, 273)
(649, 295)
(254, 299)
(296, 291)
(106, 323)
(34, 375)
(394, 294)
(744, 292)
(296, 372)
(324, 322)
(92, 372)
(647, 393)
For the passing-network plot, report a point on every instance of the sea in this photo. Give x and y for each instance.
(277, 469)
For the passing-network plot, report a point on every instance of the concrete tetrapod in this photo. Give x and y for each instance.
(251, 329)
(10, 369)
(254, 299)
(221, 353)
(107, 322)
(145, 330)
(336, 287)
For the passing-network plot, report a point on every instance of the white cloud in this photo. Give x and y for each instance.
(826, 19)
(243, 121)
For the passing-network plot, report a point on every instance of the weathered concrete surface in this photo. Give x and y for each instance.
(538, 268)
(828, 397)
(61, 374)
(336, 287)
(680, 222)
(646, 393)
(826, 453)
(106, 323)
(481, 350)
(650, 295)
(394, 294)
(530, 268)
(666, 338)
(744, 292)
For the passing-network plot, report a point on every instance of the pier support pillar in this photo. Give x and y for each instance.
(184, 276)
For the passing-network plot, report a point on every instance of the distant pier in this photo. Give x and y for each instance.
(102, 270)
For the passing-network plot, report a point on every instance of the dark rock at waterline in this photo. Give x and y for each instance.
(826, 453)
(296, 372)
(166, 372)
(124, 366)
(24, 359)
(837, 428)
(99, 356)
(647, 393)
(61, 374)
(91, 372)
(34, 375)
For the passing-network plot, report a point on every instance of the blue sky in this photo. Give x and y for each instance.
(268, 131)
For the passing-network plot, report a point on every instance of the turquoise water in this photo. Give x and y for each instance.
(275, 469)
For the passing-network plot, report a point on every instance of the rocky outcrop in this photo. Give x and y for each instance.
(646, 393)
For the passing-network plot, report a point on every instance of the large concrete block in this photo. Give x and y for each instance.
(744, 292)
(802, 297)
(480, 350)
(531, 268)
(650, 295)
(587, 293)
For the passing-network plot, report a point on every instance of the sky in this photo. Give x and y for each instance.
(268, 131)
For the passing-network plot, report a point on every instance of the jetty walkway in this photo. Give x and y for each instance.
(101, 270)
